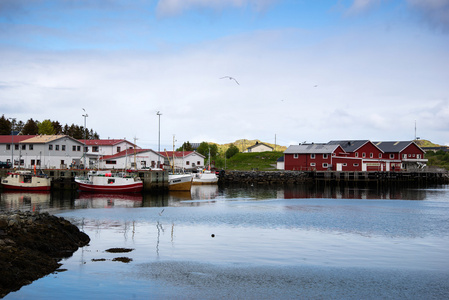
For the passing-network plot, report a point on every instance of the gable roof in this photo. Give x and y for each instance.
(33, 139)
(106, 142)
(311, 149)
(395, 147)
(128, 152)
(349, 145)
(259, 144)
(179, 154)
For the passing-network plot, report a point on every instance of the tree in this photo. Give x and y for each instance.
(186, 147)
(46, 127)
(5, 126)
(30, 128)
(57, 127)
(205, 147)
(232, 150)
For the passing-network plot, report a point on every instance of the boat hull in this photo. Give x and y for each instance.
(179, 182)
(205, 178)
(26, 188)
(131, 188)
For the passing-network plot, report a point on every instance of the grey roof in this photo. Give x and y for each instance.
(311, 148)
(395, 147)
(349, 145)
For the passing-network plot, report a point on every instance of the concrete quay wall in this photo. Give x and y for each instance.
(295, 177)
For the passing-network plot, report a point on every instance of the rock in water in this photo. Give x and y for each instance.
(31, 246)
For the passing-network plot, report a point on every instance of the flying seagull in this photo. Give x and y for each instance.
(231, 78)
(160, 214)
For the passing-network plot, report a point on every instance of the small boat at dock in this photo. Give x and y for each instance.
(180, 182)
(105, 181)
(26, 181)
(205, 177)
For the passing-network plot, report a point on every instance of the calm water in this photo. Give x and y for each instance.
(267, 243)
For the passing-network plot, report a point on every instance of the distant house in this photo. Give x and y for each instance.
(408, 153)
(183, 160)
(132, 159)
(280, 163)
(259, 147)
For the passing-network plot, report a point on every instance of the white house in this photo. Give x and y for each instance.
(184, 160)
(46, 151)
(131, 159)
(259, 147)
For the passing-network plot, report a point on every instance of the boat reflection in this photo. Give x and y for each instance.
(108, 200)
(29, 201)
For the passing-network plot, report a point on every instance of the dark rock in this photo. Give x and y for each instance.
(31, 250)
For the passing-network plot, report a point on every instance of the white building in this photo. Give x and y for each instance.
(259, 147)
(184, 160)
(131, 159)
(45, 151)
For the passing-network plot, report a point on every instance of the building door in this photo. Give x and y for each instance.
(339, 167)
(363, 167)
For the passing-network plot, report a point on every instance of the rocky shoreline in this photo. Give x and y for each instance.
(31, 246)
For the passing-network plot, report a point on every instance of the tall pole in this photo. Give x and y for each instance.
(159, 140)
(12, 142)
(85, 137)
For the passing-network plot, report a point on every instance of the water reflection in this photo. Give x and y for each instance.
(201, 194)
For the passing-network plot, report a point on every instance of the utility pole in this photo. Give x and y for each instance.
(85, 138)
(159, 141)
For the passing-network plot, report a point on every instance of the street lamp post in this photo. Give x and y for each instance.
(159, 141)
(12, 141)
(85, 138)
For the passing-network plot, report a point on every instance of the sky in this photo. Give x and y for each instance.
(304, 70)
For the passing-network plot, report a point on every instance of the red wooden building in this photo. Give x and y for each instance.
(355, 155)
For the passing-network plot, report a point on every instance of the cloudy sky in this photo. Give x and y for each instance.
(307, 70)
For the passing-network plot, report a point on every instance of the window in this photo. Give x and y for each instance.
(111, 181)
(325, 165)
(325, 156)
(404, 156)
(111, 162)
(391, 156)
(413, 155)
(312, 156)
(50, 147)
(187, 163)
(295, 155)
(78, 148)
(371, 155)
(380, 155)
(57, 147)
(312, 164)
(356, 154)
(24, 147)
(363, 154)
(16, 147)
(62, 161)
(345, 164)
(198, 163)
(30, 147)
(73, 148)
(86, 149)
(95, 148)
(355, 165)
(33, 162)
(63, 148)
(418, 155)
(118, 149)
(8, 147)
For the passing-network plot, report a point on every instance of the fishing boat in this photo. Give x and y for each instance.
(180, 182)
(27, 181)
(205, 177)
(105, 181)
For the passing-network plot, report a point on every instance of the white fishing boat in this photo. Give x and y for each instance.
(27, 181)
(205, 177)
(180, 182)
(105, 181)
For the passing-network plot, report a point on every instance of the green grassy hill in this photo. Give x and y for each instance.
(261, 161)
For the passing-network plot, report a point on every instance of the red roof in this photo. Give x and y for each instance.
(6, 139)
(108, 142)
(129, 152)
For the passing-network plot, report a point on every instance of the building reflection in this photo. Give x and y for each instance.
(28, 201)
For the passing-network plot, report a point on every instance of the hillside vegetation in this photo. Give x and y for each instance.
(261, 161)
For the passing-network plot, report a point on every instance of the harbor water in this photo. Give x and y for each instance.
(300, 242)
